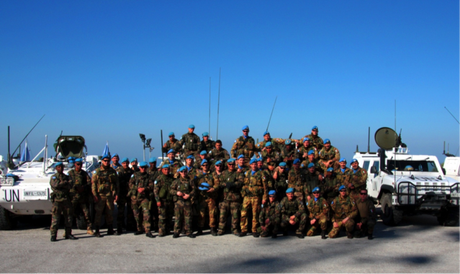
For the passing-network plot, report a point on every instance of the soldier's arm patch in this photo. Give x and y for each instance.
(54, 177)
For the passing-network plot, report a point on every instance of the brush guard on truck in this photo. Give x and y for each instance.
(433, 197)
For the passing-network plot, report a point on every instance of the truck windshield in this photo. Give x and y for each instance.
(424, 166)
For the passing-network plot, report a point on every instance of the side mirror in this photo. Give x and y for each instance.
(373, 170)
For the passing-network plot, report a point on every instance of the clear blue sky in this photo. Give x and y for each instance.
(109, 70)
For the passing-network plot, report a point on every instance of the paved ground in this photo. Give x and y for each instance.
(419, 244)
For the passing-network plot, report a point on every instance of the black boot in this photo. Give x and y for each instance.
(370, 237)
(255, 235)
(149, 234)
(176, 235)
(53, 238)
(274, 235)
(213, 231)
(138, 232)
(68, 234)
(323, 234)
(110, 230)
(191, 235)
(119, 231)
(200, 232)
(97, 234)
(349, 235)
(300, 235)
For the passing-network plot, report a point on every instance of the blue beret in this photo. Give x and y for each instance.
(203, 152)
(341, 187)
(354, 160)
(311, 165)
(143, 164)
(204, 161)
(152, 160)
(287, 142)
(165, 166)
(330, 169)
(282, 164)
(58, 164)
(306, 139)
(205, 134)
(268, 144)
(182, 168)
(78, 160)
(290, 190)
(296, 161)
(125, 160)
(259, 159)
(203, 188)
(231, 160)
(133, 160)
(316, 189)
(170, 151)
(190, 157)
(105, 156)
(342, 160)
(205, 184)
(240, 156)
(327, 141)
(266, 132)
(115, 155)
(311, 152)
(245, 127)
(71, 159)
(218, 163)
(271, 192)
(314, 127)
(191, 126)
(171, 134)
(253, 160)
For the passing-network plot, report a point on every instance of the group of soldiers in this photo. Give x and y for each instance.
(279, 184)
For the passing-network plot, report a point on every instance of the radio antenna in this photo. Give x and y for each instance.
(452, 116)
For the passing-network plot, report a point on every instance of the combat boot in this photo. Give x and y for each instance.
(97, 234)
(110, 230)
(119, 231)
(323, 234)
(370, 237)
(89, 231)
(200, 232)
(242, 234)
(255, 235)
(274, 236)
(53, 238)
(191, 236)
(68, 234)
(213, 231)
(176, 235)
(300, 236)
(149, 234)
(161, 233)
(349, 235)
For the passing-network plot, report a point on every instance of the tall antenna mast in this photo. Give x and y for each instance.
(452, 115)
(218, 104)
(209, 105)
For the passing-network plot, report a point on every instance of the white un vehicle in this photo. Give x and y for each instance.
(406, 184)
(24, 186)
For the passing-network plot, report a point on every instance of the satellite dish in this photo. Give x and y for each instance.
(386, 138)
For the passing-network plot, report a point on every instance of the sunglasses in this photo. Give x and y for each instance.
(78, 164)
(343, 190)
(363, 193)
(315, 192)
(105, 160)
(245, 130)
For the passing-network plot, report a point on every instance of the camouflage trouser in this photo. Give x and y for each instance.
(265, 229)
(207, 207)
(300, 224)
(65, 208)
(104, 204)
(253, 203)
(121, 205)
(367, 226)
(84, 207)
(143, 205)
(321, 222)
(349, 226)
(130, 221)
(183, 216)
(165, 216)
(225, 207)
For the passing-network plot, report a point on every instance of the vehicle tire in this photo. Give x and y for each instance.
(6, 220)
(448, 217)
(390, 215)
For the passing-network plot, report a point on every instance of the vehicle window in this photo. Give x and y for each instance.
(424, 166)
(366, 165)
(376, 165)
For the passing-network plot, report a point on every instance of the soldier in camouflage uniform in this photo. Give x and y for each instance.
(366, 217)
(172, 143)
(124, 175)
(80, 192)
(206, 144)
(358, 179)
(240, 167)
(310, 160)
(191, 170)
(342, 173)
(115, 161)
(203, 155)
(293, 214)
(183, 189)
(270, 216)
(281, 180)
(275, 143)
(318, 208)
(104, 188)
(134, 166)
(153, 172)
(191, 141)
(244, 145)
(331, 186)
(270, 155)
(61, 185)
(207, 198)
(344, 212)
(231, 185)
(312, 180)
(304, 150)
(288, 153)
(255, 193)
(173, 163)
(219, 153)
(315, 140)
(141, 193)
(296, 181)
(329, 156)
(163, 199)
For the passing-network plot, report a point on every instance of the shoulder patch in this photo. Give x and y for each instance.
(54, 177)
(155, 182)
(94, 172)
(332, 202)
(132, 176)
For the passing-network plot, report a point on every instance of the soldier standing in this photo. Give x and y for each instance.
(329, 156)
(219, 153)
(207, 197)
(270, 216)
(191, 142)
(312, 180)
(319, 213)
(331, 186)
(141, 193)
(315, 139)
(281, 180)
(244, 145)
(206, 144)
(173, 163)
(61, 185)
(296, 181)
(134, 166)
(343, 173)
(80, 192)
(358, 176)
(172, 143)
(164, 200)
(183, 189)
(293, 213)
(366, 217)
(115, 161)
(344, 211)
(104, 188)
(255, 193)
(124, 175)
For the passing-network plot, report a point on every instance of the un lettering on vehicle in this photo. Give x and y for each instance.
(11, 195)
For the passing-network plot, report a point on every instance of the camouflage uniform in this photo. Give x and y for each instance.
(311, 181)
(61, 185)
(206, 201)
(254, 191)
(175, 145)
(231, 185)
(104, 184)
(288, 156)
(122, 202)
(273, 155)
(304, 150)
(162, 194)
(305, 163)
(358, 178)
(289, 208)
(366, 216)
(343, 176)
(331, 154)
(281, 184)
(192, 144)
(153, 174)
(315, 141)
(270, 218)
(276, 144)
(330, 188)
(319, 210)
(217, 155)
(115, 166)
(343, 208)
(245, 146)
(296, 180)
(174, 165)
(80, 192)
(183, 207)
(208, 146)
(141, 200)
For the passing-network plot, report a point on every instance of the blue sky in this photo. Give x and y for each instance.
(109, 70)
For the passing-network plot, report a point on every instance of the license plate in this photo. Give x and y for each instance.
(34, 193)
(455, 195)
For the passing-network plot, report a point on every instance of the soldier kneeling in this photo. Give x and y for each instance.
(366, 216)
(293, 213)
(319, 210)
(344, 212)
(269, 217)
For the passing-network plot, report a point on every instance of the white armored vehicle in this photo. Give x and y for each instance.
(25, 188)
(406, 184)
